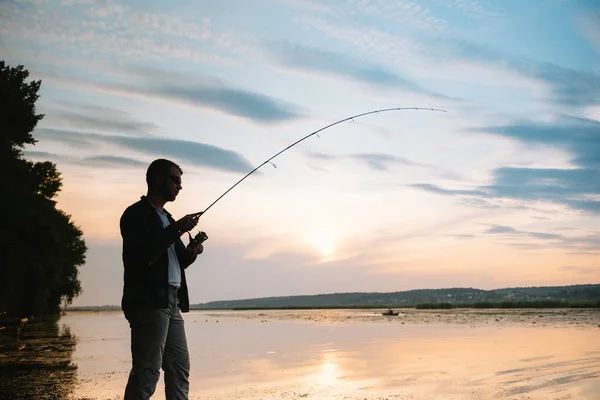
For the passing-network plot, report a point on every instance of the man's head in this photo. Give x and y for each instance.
(164, 179)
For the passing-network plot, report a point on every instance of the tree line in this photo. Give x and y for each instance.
(41, 246)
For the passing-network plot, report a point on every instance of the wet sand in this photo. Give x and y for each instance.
(360, 354)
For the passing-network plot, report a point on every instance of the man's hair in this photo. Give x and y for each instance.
(160, 167)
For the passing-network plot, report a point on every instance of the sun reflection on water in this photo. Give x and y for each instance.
(329, 370)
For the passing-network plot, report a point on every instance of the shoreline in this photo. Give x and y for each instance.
(424, 306)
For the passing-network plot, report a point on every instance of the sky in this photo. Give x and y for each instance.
(501, 190)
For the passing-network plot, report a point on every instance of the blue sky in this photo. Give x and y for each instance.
(501, 190)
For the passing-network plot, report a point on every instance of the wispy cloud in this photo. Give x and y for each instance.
(577, 188)
(507, 230)
(98, 119)
(113, 161)
(462, 236)
(107, 27)
(413, 14)
(568, 87)
(407, 14)
(205, 92)
(573, 188)
(381, 162)
(304, 58)
(437, 41)
(367, 39)
(472, 8)
(454, 192)
(567, 186)
(237, 102)
(583, 244)
(102, 161)
(308, 58)
(199, 154)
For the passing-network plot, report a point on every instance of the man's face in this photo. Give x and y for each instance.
(170, 184)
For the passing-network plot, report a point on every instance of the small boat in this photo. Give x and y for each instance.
(390, 312)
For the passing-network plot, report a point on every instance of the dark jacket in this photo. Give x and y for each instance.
(145, 259)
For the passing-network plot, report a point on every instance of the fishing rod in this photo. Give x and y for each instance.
(201, 236)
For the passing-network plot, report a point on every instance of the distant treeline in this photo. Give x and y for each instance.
(430, 306)
(512, 304)
(574, 296)
(458, 297)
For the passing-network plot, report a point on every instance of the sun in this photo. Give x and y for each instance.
(323, 240)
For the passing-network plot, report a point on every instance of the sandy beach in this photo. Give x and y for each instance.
(357, 354)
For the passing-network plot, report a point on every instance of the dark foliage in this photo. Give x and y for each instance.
(41, 247)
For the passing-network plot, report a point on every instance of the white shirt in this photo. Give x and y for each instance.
(174, 268)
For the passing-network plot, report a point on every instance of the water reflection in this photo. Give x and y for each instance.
(264, 357)
(329, 370)
(43, 368)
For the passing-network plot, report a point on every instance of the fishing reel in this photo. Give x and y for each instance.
(200, 237)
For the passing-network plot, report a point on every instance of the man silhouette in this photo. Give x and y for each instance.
(155, 289)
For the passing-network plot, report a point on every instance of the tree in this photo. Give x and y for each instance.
(41, 247)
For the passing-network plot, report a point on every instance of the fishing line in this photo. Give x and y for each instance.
(201, 236)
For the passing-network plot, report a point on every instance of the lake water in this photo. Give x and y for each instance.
(359, 354)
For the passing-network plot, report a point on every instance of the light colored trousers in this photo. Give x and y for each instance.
(158, 341)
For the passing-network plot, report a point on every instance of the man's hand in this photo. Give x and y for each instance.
(188, 222)
(195, 247)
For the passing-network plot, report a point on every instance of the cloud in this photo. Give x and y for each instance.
(381, 162)
(206, 92)
(311, 59)
(462, 236)
(73, 139)
(568, 87)
(38, 154)
(471, 8)
(95, 161)
(110, 28)
(237, 102)
(456, 192)
(576, 188)
(582, 244)
(199, 154)
(404, 12)
(113, 161)
(367, 39)
(547, 184)
(310, 5)
(97, 118)
(500, 229)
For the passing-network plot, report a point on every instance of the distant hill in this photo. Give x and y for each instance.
(411, 298)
